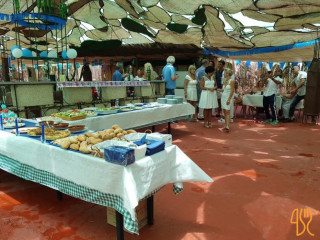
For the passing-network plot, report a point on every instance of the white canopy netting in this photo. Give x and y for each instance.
(223, 27)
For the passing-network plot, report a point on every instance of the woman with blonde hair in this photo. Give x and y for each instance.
(190, 89)
(227, 97)
(148, 72)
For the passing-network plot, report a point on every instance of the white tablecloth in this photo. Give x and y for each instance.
(256, 100)
(131, 183)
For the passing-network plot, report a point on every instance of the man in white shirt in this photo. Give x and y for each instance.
(300, 90)
(269, 96)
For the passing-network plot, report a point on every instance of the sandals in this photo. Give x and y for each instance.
(225, 129)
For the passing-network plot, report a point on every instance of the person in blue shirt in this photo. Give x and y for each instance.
(169, 76)
(200, 72)
(117, 75)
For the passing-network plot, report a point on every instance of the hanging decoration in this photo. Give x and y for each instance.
(71, 53)
(17, 53)
(248, 64)
(282, 64)
(259, 65)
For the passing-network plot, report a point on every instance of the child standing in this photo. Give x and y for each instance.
(208, 98)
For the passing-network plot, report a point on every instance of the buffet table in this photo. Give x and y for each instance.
(165, 113)
(93, 179)
(256, 100)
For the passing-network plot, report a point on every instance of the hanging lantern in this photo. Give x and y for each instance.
(52, 54)
(72, 53)
(26, 53)
(17, 53)
(44, 54)
(14, 47)
(64, 54)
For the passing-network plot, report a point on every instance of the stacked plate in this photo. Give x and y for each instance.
(180, 99)
(162, 100)
(170, 96)
(172, 101)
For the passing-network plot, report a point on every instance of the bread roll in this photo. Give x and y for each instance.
(75, 146)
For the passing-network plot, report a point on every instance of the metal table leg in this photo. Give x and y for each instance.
(59, 195)
(153, 128)
(150, 210)
(119, 223)
(169, 127)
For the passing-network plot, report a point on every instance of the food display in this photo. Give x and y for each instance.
(46, 123)
(61, 125)
(71, 116)
(50, 118)
(8, 116)
(84, 143)
(49, 133)
(90, 113)
(76, 128)
(105, 111)
(13, 125)
(23, 130)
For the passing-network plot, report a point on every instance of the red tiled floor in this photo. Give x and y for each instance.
(261, 172)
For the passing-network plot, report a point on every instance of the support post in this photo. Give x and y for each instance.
(119, 223)
(59, 195)
(150, 210)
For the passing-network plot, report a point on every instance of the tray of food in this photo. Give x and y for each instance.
(61, 126)
(90, 113)
(22, 130)
(85, 142)
(49, 133)
(71, 116)
(13, 125)
(77, 128)
(105, 111)
(46, 123)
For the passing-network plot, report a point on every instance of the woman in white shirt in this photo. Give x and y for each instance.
(139, 76)
(190, 88)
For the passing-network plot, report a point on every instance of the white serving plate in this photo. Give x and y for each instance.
(106, 112)
(13, 125)
(49, 118)
(89, 109)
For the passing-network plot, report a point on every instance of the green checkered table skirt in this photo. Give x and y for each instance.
(70, 188)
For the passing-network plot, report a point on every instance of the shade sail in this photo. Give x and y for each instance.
(229, 25)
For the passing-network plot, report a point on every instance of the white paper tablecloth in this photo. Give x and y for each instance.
(256, 100)
(131, 183)
(137, 118)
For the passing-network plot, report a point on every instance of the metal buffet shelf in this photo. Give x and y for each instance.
(32, 96)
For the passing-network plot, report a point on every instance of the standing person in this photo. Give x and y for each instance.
(139, 76)
(219, 79)
(200, 72)
(227, 97)
(190, 88)
(300, 81)
(169, 76)
(129, 76)
(269, 96)
(208, 98)
(86, 73)
(117, 75)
